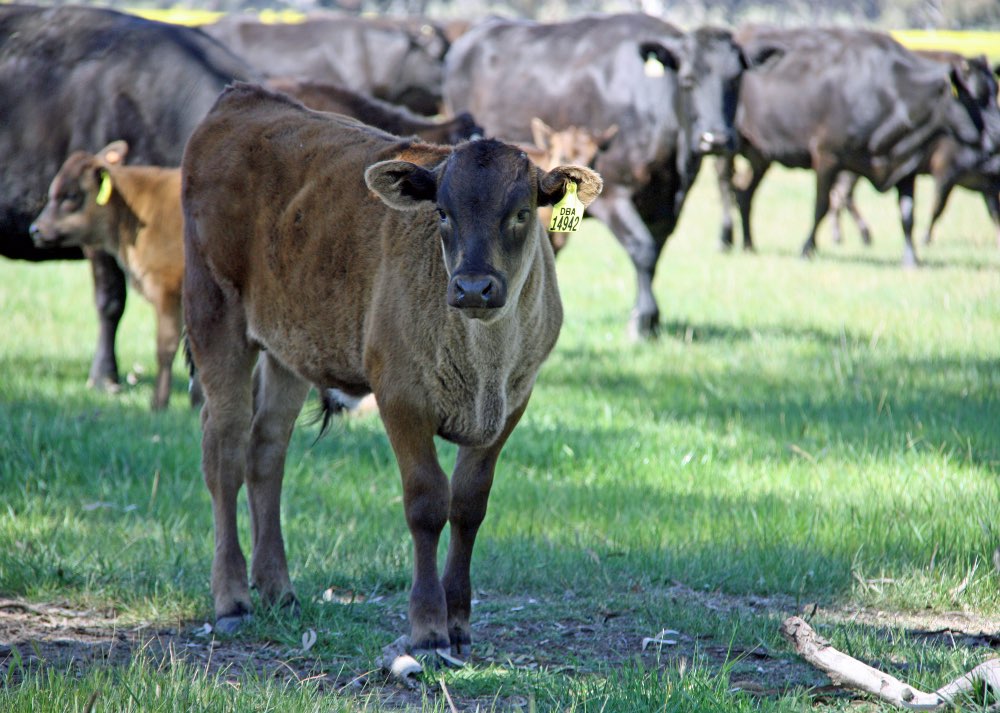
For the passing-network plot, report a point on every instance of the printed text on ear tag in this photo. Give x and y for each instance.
(568, 212)
(104, 192)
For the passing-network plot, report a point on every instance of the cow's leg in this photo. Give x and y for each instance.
(992, 199)
(425, 500)
(942, 189)
(615, 209)
(168, 337)
(109, 297)
(470, 489)
(852, 208)
(724, 180)
(825, 176)
(217, 338)
(905, 191)
(278, 398)
(745, 193)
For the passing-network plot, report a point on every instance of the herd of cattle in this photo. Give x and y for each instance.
(306, 244)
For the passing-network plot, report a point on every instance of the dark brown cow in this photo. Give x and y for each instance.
(327, 96)
(76, 78)
(672, 94)
(313, 248)
(395, 59)
(852, 100)
(950, 162)
(133, 213)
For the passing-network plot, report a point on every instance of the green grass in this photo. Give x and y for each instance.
(823, 431)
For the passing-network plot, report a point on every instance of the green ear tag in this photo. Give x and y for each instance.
(568, 212)
(104, 192)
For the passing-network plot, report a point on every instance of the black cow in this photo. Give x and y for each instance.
(75, 78)
(593, 72)
(398, 60)
(855, 100)
(950, 162)
(394, 118)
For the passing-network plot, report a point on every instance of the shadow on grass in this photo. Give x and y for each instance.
(65, 439)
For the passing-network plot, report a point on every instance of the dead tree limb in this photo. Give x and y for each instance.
(846, 671)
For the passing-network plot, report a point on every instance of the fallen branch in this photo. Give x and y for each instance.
(846, 671)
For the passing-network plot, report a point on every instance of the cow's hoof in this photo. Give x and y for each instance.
(104, 383)
(643, 327)
(229, 625)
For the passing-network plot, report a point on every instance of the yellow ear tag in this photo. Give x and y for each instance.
(568, 212)
(104, 192)
(652, 67)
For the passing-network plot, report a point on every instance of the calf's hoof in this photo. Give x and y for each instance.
(461, 645)
(229, 625)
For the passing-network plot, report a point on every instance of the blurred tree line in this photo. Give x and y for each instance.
(881, 14)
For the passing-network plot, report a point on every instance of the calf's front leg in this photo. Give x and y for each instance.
(425, 500)
(168, 337)
(470, 490)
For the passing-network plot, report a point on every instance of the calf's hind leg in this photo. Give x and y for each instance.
(225, 361)
(278, 398)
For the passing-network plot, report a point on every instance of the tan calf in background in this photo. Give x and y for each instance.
(133, 213)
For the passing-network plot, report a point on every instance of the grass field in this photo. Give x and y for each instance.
(818, 437)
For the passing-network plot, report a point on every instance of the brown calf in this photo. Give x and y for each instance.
(573, 145)
(133, 213)
(326, 96)
(314, 249)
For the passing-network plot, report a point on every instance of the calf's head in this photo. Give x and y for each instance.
(709, 64)
(76, 213)
(485, 194)
(572, 145)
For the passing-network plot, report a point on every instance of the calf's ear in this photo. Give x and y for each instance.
(401, 185)
(540, 132)
(552, 185)
(114, 153)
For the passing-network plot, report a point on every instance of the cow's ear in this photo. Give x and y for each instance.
(540, 132)
(667, 56)
(996, 69)
(402, 185)
(759, 54)
(605, 137)
(114, 153)
(552, 185)
(960, 87)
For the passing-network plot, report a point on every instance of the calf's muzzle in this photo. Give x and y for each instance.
(476, 291)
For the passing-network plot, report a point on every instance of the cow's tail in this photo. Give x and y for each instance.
(332, 403)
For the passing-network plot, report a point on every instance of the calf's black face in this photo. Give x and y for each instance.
(485, 195)
(72, 211)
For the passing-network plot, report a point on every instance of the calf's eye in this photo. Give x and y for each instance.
(442, 215)
(523, 215)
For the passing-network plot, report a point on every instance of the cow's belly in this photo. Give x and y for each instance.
(324, 357)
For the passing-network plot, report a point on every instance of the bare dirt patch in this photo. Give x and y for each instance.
(516, 633)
